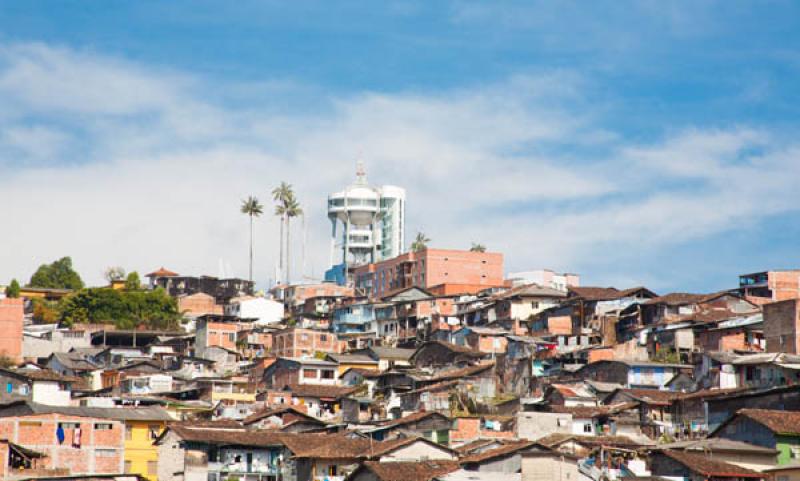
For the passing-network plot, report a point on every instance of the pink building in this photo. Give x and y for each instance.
(12, 315)
(442, 271)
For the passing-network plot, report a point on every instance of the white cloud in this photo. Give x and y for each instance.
(161, 170)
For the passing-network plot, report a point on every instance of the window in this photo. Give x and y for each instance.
(24, 389)
(587, 428)
(128, 432)
(128, 466)
(103, 426)
(105, 453)
(323, 338)
(231, 337)
(309, 373)
(327, 374)
(153, 431)
(795, 451)
(69, 425)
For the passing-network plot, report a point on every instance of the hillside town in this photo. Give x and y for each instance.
(404, 364)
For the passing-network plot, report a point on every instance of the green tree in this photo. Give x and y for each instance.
(58, 275)
(125, 309)
(12, 290)
(477, 247)
(281, 196)
(420, 242)
(133, 282)
(114, 273)
(45, 312)
(253, 208)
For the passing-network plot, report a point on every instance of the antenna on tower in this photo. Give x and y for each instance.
(361, 173)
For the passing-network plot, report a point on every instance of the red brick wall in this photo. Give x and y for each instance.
(559, 325)
(199, 304)
(12, 315)
(781, 321)
(437, 267)
(600, 355)
(218, 335)
(38, 432)
(469, 429)
(297, 342)
(784, 285)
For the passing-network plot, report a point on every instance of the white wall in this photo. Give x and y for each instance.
(50, 393)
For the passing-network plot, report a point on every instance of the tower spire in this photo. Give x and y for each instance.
(361, 173)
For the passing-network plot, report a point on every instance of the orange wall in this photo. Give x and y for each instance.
(12, 316)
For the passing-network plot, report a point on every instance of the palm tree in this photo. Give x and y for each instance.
(293, 209)
(280, 194)
(477, 247)
(252, 208)
(420, 242)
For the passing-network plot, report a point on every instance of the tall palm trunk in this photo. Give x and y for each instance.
(288, 257)
(280, 257)
(250, 277)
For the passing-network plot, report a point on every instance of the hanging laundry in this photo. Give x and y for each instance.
(60, 434)
(76, 438)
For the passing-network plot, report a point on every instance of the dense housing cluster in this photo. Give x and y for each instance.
(431, 365)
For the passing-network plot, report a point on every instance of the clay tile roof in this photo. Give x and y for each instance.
(271, 411)
(708, 467)
(651, 396)
(161, 272)
(40, 375)
(410, 471)
(317, 391)
(455, 348)
(592, 411)
(473, 445)
(781, 422)
(498, 452)
(463, 372)
(677, 299)
(604, 293)
(594, 293)
(411, 418)
(330, 446)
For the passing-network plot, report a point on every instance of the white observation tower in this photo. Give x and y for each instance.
(372, 222)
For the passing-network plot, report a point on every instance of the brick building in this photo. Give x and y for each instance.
(198, 304)
(299, 342)
(782, 326)
(441, 271)
(73, 440)
(12, 316)
(770, 286)
(216, 331)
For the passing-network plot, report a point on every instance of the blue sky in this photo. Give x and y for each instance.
(648, 142)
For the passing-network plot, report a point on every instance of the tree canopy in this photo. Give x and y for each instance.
(115, 273)
(12, 290)
(125, 309)
(133, 282)
(58, 275)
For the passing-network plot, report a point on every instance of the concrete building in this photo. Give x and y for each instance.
(546, 278)
(431, 269)
(42, 340)
(372, 222)
(12, 316)
(223, 290)
(264, 311)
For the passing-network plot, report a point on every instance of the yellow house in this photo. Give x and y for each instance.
(142, 427)
(347, 361)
